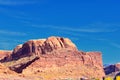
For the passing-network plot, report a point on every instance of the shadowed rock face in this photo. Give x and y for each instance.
(22, 63)
(112, 69)
(58, 57)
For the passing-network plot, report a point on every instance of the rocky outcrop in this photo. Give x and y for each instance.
(5, 70)
(67, 63)
(115, 68)
(58, 58)
(42, 46)
(22, 63)
(7, 74)
(5, 55)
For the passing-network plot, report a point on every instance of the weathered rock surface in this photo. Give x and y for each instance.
(67, 63)
(112, 70)
(58, 58)
(5, 55)
(5, 70)
(42, 46)
(7, 74)
(22, 63)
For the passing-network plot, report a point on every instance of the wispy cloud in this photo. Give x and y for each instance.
(5, 45)
(115, 45)
(90, 30)
(76, 29)
(8, 43)
(12, 33)
(20, 16)
(111, 43)
(16, 2)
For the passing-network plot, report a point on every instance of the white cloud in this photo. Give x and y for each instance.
(12, 33)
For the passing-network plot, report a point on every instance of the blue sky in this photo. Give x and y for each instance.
(93, 25)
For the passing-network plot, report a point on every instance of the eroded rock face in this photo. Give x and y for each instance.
(115, 68)
(5, 55)
(58, 58)
(22, 63)
(5, 70)
(42, 46)
(67, 63)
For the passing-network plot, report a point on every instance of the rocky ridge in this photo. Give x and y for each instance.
(42, 46)
(58, 56)
(112, 70)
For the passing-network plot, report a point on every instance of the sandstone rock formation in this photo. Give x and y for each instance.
(7, 74)
(112, 70)
(22, 63)
(67, 63)
(5, 55)
(5, 70)
(42, 46)
(58, 58)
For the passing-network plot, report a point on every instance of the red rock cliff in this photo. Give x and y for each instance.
(43, 46)
(59, 57)
(5, 55)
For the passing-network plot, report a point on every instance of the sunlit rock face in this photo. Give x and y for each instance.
(42, 46)
(56, 57)
(5, 55)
